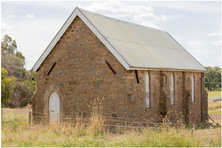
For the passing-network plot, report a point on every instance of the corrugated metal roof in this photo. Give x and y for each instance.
(143, 47)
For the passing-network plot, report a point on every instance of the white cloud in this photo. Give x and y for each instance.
(146, 16)
(164, 17)
(197, 43)
(148, 24)
(216, 42)
(200, 51)
(105, 6)
(11, 15)
(118, 7)
(135, 9)
(215, 33)
(30, 15)
(4, 26)
(191, 6)
(149, 16)
(170, 17)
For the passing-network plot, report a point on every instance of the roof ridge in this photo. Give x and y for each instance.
(118, 20)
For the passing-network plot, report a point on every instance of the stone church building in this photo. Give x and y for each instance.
(135, 72)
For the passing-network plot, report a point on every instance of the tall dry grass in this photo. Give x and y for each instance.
(216, 104)
(214, 107)
(17, 132)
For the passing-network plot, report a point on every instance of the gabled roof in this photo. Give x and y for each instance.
(135, 46)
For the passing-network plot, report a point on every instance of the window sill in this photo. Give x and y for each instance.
(147, 108)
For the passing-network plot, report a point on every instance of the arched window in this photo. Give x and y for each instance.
(172, 89)
(147, 90)
(193, 87)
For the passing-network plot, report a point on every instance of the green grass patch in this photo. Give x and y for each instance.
(213, 93)
(217, 113)
(214, 108)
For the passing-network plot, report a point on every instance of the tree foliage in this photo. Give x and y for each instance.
(13, 64)
(213, 78)
(8, 45)
(12, 60)
(7, 85)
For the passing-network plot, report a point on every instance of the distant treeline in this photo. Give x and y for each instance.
(213, 78)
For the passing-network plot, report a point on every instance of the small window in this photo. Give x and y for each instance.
(147, 90)
(193, 87)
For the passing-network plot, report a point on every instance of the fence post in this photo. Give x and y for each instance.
(30, 118)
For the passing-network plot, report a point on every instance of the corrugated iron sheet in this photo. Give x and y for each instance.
(143, 47)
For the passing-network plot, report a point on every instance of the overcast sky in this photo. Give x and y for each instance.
(195, 25)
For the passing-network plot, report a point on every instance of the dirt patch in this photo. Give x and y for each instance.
(215, 117)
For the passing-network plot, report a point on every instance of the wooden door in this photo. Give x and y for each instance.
(54, 108)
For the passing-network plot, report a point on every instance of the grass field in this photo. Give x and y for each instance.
(17, 133)
(213, 93)
(214, 107)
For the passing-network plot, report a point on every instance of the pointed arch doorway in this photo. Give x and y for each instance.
(54, 108)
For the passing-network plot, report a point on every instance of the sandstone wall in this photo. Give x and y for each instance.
(85, 83)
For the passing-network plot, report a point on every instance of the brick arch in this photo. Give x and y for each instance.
(47, 94)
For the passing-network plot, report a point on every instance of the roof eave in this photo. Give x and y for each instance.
(166, 69)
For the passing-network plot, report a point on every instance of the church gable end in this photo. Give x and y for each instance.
(82, 68)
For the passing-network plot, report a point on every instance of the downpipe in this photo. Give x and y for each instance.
(202, 79)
